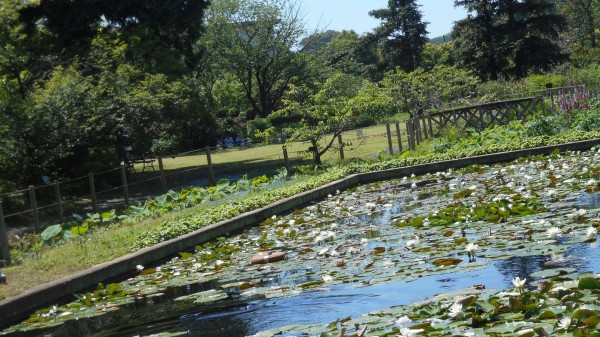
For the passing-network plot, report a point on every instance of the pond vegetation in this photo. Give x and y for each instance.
(486, 235)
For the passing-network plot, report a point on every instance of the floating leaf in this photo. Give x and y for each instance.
(589, 283)
(447, 262)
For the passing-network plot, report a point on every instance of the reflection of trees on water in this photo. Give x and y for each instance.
(521, 266)
(524, 266)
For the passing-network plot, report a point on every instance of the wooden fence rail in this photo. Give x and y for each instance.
(477, 117)
(121, 191)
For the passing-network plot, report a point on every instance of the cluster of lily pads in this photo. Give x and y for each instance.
(395, 232)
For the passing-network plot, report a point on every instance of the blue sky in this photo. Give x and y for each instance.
(353, 14)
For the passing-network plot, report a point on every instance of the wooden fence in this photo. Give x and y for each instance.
(477, 117)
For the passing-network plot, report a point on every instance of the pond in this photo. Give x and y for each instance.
(358, 252)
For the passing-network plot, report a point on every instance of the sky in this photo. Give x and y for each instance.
(354, 15)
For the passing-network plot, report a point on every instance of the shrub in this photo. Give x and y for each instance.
(545, 125)
(539, 82)
(587, 120)
(364, 120)
(498, 90)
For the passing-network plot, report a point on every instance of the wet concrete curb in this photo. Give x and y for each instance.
(19, 307)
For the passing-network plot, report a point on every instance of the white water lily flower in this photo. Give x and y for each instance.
(518, 283)
(591, 231)
(471, 247)
(329, 195)
(219, 262)
(412, 175)
(408, 332)
(413, 242)
(139, 267)
(370, 205)
(455, 309)
(402, 321)
(564, 323)
(291, 222)
(553, 232)
(274, 217)
(591, 182)
(414, 185)
(327, 278)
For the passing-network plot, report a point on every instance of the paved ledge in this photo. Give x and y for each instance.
(19, 307)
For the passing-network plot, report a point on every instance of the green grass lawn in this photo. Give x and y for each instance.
(373, 139)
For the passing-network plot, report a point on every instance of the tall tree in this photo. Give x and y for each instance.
(477, 45)
(259, 42)
(168, 24)
(344, 51)
(325, 111)
(402, 34)
(583, 26)
(508, 38)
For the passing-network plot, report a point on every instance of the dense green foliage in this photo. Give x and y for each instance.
(83, 81)
(508, 38)
(402, 34)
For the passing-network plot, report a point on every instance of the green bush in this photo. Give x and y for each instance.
(587, 120)
(364, 120)
(589, 75)
(258, 124)
(546, 125)
(491, 91)
(539, 82)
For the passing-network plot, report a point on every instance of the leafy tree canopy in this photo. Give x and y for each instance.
(508, 38)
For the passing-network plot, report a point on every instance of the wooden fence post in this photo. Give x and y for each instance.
(389, 137)
(34, 209)
(58, 200)
(430, 126)
(163, 178)
(341, 146)
(211, 171)
(410, 133)
(93, 191)
(286, 158)
(399, 135)
(4, 238)
(124, 182)
(416, 131)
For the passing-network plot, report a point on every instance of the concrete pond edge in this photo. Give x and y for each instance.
(19, 307)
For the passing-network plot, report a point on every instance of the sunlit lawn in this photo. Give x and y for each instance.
(372, 140)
